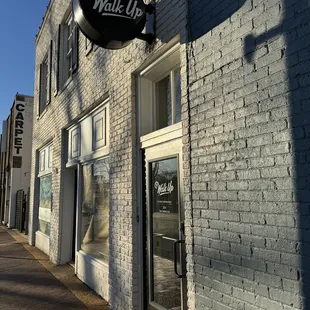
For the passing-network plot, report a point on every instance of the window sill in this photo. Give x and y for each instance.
(162, 135)
(43, 113)
(38, 232)
(45, 173)
(102, 152)
(72, 162)
(65, 85)
(92, 259)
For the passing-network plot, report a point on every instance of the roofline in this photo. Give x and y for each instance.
(23, 95)
(47, 12)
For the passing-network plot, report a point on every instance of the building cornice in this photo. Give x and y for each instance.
(44, 18)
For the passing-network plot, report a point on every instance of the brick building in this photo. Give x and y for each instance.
(200, 138)
(15, 163)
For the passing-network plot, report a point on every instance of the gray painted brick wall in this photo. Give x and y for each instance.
(248, 87)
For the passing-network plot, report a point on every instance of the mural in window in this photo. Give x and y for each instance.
(95, 209)
(45, 204)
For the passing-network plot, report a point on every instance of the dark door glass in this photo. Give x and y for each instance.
(164, 212)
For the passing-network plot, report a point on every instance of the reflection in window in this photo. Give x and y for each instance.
(45, 203)
(95, 209)
(165, 230)
(177, 85)
(42, 160)
(168, 100)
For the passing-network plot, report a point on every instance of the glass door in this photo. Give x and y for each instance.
(166, 272)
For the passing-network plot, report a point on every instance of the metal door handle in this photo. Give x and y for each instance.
(175, 244)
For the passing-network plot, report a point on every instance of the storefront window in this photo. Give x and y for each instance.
(45, 202)
(95, 209)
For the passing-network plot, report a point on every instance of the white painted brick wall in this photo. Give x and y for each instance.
(250, 154)
(100, 74)
(246, 178)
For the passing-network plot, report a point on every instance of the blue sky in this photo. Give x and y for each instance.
(19, 23)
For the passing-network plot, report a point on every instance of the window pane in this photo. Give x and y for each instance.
(163, 103)
(45, 203)
(50, 156)
(177, 85)
(42, 160)
(95, 209)
(165, 230)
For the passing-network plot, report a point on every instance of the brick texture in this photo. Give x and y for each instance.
(101, 74)
(245, 84)
(248, 72)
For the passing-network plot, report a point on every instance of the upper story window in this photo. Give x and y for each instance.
(45, 160)
(70, 48)
(66, 53)
(168, 99)
(45, 81)
(42, 160)
(89, 138)
(160, 93)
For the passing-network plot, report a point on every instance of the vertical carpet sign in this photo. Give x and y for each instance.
(18, 134)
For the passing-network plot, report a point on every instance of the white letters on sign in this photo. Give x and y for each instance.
(115, 8)
(164, 189)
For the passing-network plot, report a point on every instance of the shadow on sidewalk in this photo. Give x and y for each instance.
(22, 258)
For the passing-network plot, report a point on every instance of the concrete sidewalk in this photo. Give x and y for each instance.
(29, 281)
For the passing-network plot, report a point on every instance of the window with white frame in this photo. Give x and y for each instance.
(167, 103)
(50, 156)
(42, 160)
(95, 209)
(88, 144)
(45, 189)
(89, 138)
(160, 92)
(70, 48)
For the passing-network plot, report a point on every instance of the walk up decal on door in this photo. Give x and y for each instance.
(165, 186)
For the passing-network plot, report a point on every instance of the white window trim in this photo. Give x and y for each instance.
(165, 65)
(95, 153)
(72, 154)
(79, 250)
(162, 135)
(93, 260)
(68, 52)
(47, 170)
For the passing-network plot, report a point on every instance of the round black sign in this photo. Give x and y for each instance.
(111, 24)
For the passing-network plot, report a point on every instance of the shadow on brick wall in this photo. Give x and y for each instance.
(207, 15)
(296, 55)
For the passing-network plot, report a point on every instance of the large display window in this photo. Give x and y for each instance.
(45, 189)
(45, 204)
(95, 209)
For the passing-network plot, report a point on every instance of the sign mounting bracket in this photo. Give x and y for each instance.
(149, 36)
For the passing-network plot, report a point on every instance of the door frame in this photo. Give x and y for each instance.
(161, 151)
